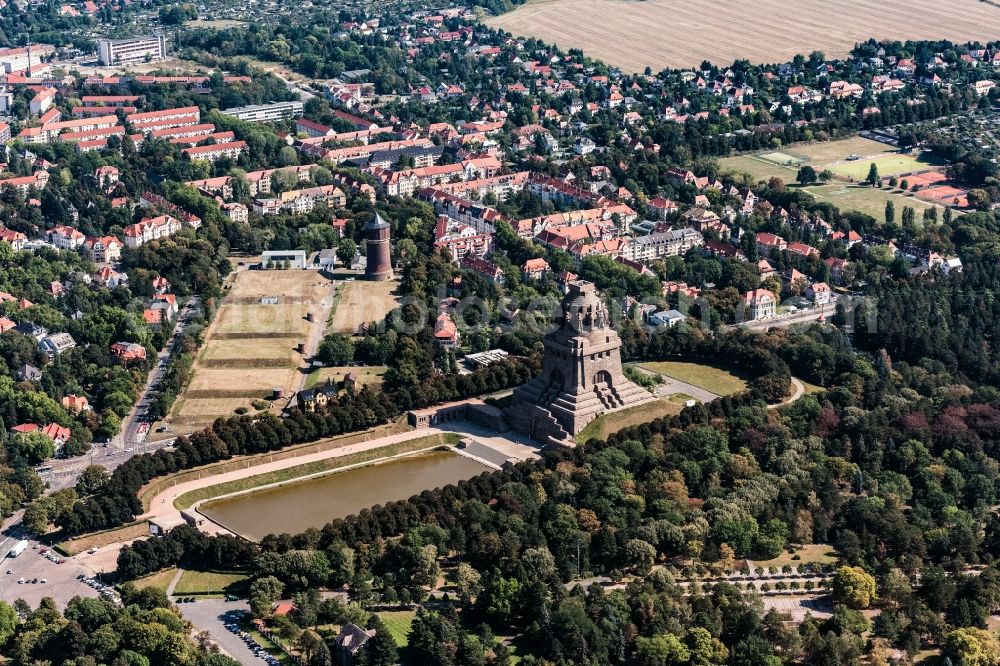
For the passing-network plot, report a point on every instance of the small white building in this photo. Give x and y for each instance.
(283, 259)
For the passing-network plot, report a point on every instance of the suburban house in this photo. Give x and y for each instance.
(55, 344)
(104, 249)
(28, 373)
(760, 304)
(534, 269)
(128, 351)
(75, 403)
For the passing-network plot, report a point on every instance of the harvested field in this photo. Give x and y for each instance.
(251, 382)
(251, 347)
(361, 302)
(291, 286)
(256, 353)
(682, 33)
(261, 320)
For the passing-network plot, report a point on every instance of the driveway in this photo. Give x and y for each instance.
(211, 615)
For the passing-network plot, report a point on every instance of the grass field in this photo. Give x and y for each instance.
(812, 553)
(758, 168)
(864, 199)
(604, 426)
(399, 623)
(160, 580)
(188, 499)
(211, 583)
(361, 302)
(367, 375)
(889, 165)
(716, 380)
(682, 33)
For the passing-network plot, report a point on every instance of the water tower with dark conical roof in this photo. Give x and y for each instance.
(379, 259)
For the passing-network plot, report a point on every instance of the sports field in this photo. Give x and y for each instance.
(361, 302)
(833, 155)
(683, 33)
(251, 347)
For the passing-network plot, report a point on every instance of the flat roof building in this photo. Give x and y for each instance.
(111, 52)
(266, 113)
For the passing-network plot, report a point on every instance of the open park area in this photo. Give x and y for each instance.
(682, 33)
(252, 345)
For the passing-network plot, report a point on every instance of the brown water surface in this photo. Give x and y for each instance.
(295, 507)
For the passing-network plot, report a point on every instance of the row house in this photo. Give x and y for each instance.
(297, 202)
(261, 182)
(221, 186)
(203, 129)
(460, 240)
(152, 120)
(408, 181)
(49, 131)
(487, 269)
(23, 184)
(560, 193)
(217, 137)
(338, 155)
(230, 150)
(480, 217)
(500, 187)
(150, 229)
(663, 244)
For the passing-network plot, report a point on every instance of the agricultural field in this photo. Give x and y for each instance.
(682, 33)
(251, 347)
(362, 302)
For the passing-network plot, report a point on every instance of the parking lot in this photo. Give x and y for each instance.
(61, 580)
(213, 616)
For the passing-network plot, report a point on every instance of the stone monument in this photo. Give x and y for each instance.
(581, 375)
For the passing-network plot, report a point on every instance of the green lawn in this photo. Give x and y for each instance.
(159, 580)
(710, 378)
(758, 168)
(603, 426)
(399, 623)
(888, 165)
(811, 554)
(211, 583)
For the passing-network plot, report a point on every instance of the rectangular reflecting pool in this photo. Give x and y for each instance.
(299, 505)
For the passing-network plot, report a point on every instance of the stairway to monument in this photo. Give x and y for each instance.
(608, 396)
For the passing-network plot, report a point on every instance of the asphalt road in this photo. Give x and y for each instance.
(211, 615)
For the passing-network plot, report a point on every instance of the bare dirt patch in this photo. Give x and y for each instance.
(682, 33)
